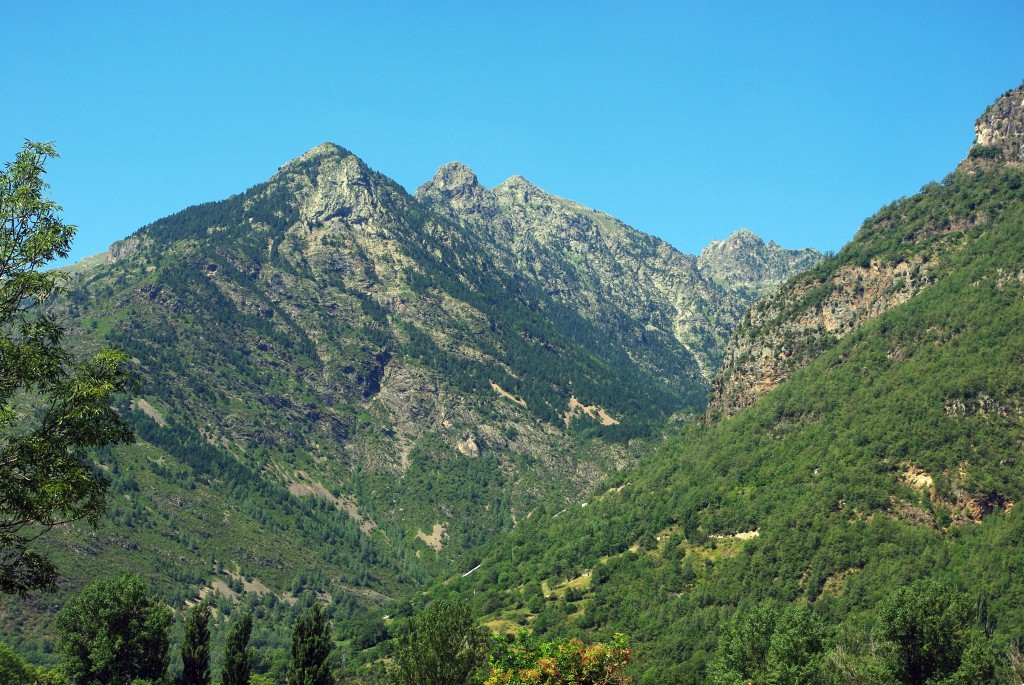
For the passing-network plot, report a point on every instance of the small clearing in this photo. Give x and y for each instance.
(149, 410)
(747, 535)
(433, 541)
(254, 585)
(593, 411)
(303, 486)
(504, 393)
(218, 587)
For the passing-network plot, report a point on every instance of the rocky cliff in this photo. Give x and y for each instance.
(999, 133)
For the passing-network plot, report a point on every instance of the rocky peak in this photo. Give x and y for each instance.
(518, 189)
(455, 185)
(329, 181)
(454, 180)
(738, 240)
(743, 260)
(999, 133)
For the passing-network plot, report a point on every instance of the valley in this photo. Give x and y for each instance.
(357, 398)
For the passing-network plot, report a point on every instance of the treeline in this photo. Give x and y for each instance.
(115, 632)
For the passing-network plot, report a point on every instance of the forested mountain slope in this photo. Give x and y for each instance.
(875, 452)
(895, 255)
(329, 364)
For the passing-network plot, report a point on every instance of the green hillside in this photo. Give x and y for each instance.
(893, 455)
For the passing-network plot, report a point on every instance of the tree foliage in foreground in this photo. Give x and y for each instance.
(195, 651)
(930, 634)
(769, 645)
(520, 660)
(312, 643)
(237, 653)
(439, 646)
(13, 670)
(52, 410)
(113, 633)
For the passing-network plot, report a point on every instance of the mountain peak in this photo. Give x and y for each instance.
(456, 186)
(321, 151)
(517, 182)
(744, 260)
(454, 180)
(327, 160)
(743, 237)
(517, 188)
(999, 133)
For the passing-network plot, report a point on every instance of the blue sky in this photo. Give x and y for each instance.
(686, 120)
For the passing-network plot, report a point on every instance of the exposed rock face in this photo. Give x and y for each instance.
(1002, 126)
(775, 338)
(456, 185)
(744, 261)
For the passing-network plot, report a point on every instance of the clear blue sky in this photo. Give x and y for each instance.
(687, 120)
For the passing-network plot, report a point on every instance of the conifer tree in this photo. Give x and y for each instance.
(195, 650)
(311, 649)
(440, 646)
(237, 654)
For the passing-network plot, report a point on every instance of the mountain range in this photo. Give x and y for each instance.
(863, 433)
(348, 391)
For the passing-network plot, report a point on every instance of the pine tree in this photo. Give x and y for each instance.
(237, 655)
(195, 650)
(440, 646)
(311, 649)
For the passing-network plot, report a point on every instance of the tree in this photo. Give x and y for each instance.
(52, 410)
(768, 645)
(312, 643)
(439, 646)
(113, 633)
(237, 654)
(13, 670)
(195, 650)
(929, 634)
(519, 660)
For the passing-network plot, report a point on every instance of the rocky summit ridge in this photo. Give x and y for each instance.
(604, 269)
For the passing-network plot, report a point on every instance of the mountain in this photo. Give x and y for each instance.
(865, 433)
(744, 261)
(346, 390)
(648, 296)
